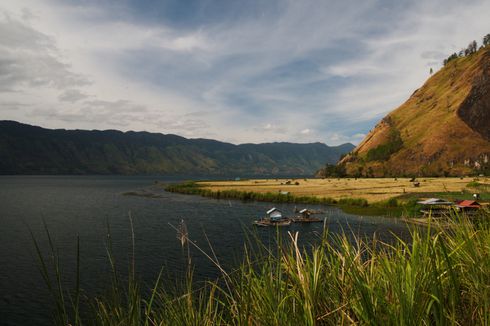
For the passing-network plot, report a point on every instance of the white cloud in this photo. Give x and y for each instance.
(72, 95)
(308, 71)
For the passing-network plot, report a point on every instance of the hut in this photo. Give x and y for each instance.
(435, 201)
(274, 214)
(468, 206)
(305, 216)
(435, 207)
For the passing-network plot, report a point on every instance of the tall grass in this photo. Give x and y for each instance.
(438, 276)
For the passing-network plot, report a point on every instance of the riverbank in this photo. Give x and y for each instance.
(391, 207)
(368, 196)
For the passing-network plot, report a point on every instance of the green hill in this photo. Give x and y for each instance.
(26, 149)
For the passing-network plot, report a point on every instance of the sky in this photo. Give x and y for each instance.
(233, 70)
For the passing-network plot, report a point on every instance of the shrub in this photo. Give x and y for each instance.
(392, 202)
(361, 202)
(384, 151)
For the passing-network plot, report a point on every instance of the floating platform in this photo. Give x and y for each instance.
(268, 222)
(306, 219)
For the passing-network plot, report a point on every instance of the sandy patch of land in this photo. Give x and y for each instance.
(372, 189)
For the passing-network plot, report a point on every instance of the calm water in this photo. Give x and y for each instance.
(84, 206)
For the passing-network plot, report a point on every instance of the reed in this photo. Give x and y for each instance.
(439, 276)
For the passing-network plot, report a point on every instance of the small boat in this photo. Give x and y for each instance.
(305, 217)
(301, 219)
(310, 211)
(271, 222)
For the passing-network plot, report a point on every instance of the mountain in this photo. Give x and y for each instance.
(26, 149)
(442, 129)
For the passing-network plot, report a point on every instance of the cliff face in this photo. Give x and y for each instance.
(442, 129)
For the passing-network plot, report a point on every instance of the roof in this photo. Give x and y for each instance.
(304, 210)
(273, 209)
(469, 203)
(435, 201)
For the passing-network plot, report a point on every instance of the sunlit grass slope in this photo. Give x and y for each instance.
(439, 125)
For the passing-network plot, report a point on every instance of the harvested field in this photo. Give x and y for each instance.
(372, 189)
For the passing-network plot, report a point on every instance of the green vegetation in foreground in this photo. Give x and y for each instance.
(391, 207)
(434, 278)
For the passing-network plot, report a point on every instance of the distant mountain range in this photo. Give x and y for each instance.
(26, 149)
(442, 129)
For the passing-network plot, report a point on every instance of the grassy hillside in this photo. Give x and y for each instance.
(442, 129)
(26, 149)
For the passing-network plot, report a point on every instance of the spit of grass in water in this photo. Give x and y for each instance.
(434, 278)
(389, 207)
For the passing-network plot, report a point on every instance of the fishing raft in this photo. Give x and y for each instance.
(274, 218)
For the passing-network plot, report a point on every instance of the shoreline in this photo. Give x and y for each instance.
(359, 206)
(361, 196)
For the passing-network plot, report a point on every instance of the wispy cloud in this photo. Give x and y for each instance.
(250, 72)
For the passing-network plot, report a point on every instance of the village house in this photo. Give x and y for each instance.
(435, 207)
(468, 206)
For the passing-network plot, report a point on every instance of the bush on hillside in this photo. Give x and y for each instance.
(384, 151)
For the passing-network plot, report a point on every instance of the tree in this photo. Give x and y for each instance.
(472, 47)
(451, 57)
(431, 71)
(332, 170)
(486, 40)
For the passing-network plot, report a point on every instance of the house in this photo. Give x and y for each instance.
(435, 201)
(274, 214)
(435, 207)
(468, 206)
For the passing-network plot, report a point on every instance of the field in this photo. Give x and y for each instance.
(371, 189)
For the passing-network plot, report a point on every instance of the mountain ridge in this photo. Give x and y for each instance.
(27, 149)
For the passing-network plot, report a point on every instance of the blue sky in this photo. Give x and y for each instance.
(237, 71)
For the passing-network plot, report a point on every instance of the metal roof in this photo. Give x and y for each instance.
(304, 210)
(272, 210)
(469, 203)
(435, 201)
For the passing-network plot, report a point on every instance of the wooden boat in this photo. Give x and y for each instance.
(310, 211)
(270, 222)
(301, 219)
(305, 216)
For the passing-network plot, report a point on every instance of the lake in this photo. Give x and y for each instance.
(83, 206)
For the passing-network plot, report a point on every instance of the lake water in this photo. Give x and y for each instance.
(74, 206)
